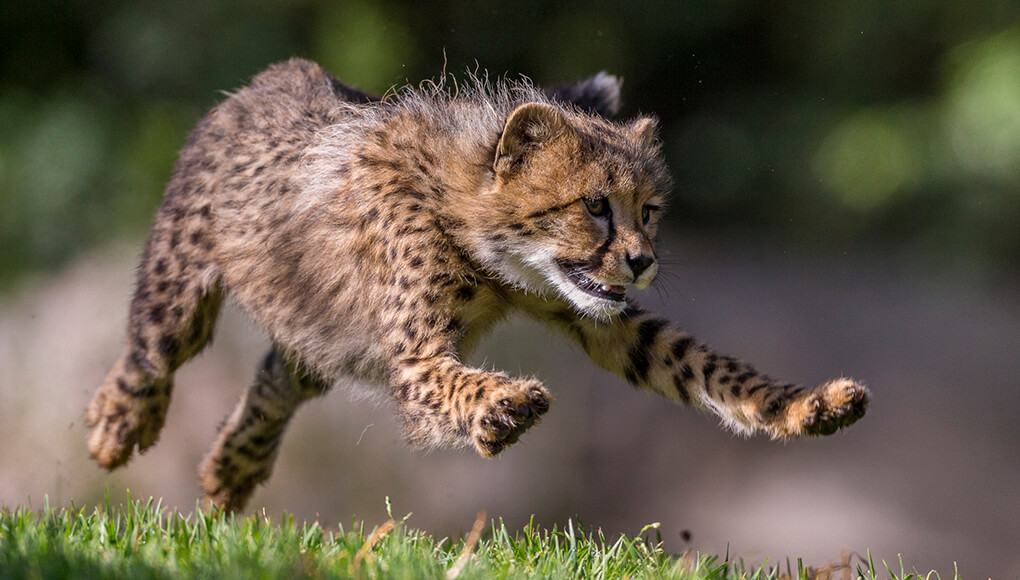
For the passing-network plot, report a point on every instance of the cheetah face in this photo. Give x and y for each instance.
(581, 200)
(605, 246)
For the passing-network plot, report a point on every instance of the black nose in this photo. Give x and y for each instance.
(639, 264)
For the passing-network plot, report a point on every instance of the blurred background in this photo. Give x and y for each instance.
(847, 201)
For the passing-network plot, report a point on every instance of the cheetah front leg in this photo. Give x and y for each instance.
(249, 438)
(443, 402)
(652, 354)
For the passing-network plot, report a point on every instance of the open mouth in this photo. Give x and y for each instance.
(593, 288)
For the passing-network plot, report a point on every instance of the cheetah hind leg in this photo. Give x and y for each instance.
(166, 328)
(249, 438)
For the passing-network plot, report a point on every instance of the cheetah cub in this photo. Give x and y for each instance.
(380, 239)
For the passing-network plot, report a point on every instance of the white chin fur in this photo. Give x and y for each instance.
(587, 304)
(537, 272)
(591, 305)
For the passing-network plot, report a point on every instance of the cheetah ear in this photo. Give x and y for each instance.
(646, 130)
(529, 127)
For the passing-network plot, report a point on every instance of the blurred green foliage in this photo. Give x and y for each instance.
(822, 122)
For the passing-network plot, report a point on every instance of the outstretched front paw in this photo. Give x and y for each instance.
(829, 408)
(507, 414)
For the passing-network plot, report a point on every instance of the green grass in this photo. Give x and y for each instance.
(149, 541)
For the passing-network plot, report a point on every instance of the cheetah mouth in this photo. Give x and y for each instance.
(585, 284)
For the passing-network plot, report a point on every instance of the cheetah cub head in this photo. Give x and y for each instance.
(577, 202)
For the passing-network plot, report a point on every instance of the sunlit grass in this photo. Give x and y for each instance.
(149, 541)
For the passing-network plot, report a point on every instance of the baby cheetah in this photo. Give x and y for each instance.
(380, 240)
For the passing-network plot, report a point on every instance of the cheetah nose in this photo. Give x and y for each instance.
(640, 263)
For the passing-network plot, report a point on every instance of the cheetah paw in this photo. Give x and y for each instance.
(510, 413)
(118, 426)
(833, 406)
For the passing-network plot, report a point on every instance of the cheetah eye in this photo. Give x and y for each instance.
(646, 213)
(597, 207)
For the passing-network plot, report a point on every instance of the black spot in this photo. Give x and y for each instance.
(709, 370)
(138, 355)
(260, 440)
(416, 262)
(139, 393)
(403, 390)
(647, 332)
(157, 313)
(248, 452)
(428, 399)
(595, 262)
(453, 326)
(548, 210)
(681, 346)
(681, 389)
(465, 293)
(773, 408)
(743, 378)
(168, 346)
(160, 267)
(735, 391)
(197, 331)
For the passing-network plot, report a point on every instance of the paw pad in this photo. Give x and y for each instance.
(513, 413)
(836, 405)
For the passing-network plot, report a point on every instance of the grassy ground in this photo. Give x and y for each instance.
(148, 541)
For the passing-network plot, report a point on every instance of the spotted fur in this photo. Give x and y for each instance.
(378, 240)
